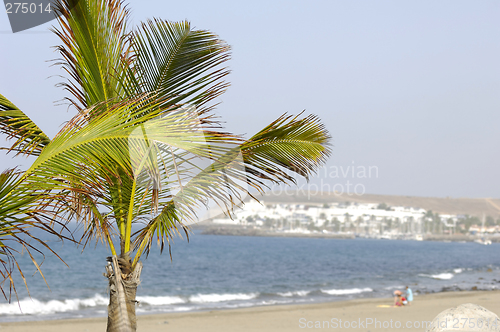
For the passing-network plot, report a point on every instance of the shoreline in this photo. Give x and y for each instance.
(285, 317)
(225, 230)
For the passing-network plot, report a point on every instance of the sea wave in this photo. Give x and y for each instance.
(346, 291)
(273, 302)
(29, 306)
(440, 276)
(296, 293)
(33, 306)
(210, 298)
(160, 300)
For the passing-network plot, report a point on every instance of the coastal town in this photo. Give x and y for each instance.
(350, 219)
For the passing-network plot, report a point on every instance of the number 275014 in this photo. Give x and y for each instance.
(27, 8)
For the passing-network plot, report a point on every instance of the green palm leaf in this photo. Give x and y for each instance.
(94, 49)
(287, 144)
(29, 138)
(176, 61)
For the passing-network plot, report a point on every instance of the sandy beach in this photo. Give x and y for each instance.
(355, 315)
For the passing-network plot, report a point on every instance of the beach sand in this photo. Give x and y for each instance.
(289, 317)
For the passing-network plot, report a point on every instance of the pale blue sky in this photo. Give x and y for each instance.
(411, 87)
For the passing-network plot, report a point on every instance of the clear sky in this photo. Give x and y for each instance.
(408, 87)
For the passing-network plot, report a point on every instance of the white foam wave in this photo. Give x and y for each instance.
(458, 270)
(347, 291)
(183, 308)
(296, 293)
(208, 298)
(443, 276)
(29, 306)
(440, 276)
(273, 302)
(160, 300)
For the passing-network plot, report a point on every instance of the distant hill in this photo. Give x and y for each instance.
(470, 206)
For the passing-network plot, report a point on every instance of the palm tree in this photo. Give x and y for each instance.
(144, 153)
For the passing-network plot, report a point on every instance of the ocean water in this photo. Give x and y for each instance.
(216, 272)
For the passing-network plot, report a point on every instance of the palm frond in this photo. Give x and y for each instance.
(179, 62)
(288, 144)
(20, 214)
(163, 227)
(29, 138)
(94, 50)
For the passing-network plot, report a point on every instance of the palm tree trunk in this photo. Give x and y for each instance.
(122, 290)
